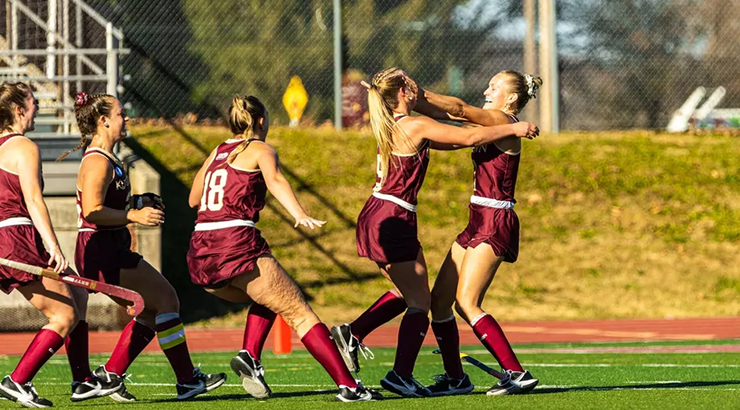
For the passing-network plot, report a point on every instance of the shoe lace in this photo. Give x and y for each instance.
(439, 378)
(366, 352)
(29, 387)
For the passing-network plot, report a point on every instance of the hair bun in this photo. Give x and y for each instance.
(82, 98)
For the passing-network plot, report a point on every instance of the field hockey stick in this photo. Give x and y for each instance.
(73, 280)
(477, 363)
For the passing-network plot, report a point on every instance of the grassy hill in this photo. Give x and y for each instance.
(618, 224)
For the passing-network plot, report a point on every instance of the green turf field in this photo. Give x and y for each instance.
(567, 381)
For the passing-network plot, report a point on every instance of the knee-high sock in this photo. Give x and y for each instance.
(134, 339)
(42, 347)
(259, 322)
(387, 307)
(78, 352)
(411, 334)
(318, 342)
(448, 340)
(492, 336)
(171, 335)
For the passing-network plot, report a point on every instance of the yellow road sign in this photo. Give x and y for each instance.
(295, 99)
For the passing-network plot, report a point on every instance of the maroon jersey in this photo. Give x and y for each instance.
(12, 203)
(495, 178)
(230, 193)
(386, 227)
(217, 254)
(116, 196)
(495, 172)
(405, 175)
(19, 239)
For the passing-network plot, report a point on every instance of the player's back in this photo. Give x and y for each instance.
(229, 192)
(12, 203)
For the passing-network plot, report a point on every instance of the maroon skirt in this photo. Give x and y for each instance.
(496, 227)
(222, 254)
(101, 255)
(20, 243)
(386, 233)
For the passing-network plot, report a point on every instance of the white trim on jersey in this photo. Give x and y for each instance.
(491, 203)
(212, 226)
(244, 169)
(398, 201)
(20, 220)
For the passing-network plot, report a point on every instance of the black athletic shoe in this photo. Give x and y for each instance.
(349, 346)
(404, 386)
(123, 395)
(513, 383)
(200, 384)
(446, 386)
(23, 394)
(349, 394)
(109, 381)
(376, 395)
(252, 373)
(85, 390)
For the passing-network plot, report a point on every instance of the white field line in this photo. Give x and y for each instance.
(596, 351)
(329, 389)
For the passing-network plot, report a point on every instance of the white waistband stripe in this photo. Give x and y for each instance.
(212, 226)
(491, 203)
(398, 201)
(21, 220)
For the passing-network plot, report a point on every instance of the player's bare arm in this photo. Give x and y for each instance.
(459, 109)
(29, 174)
(196, 191)
(280, 188)
(445, 136)
(95, 175)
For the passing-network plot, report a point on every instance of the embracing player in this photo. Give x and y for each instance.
(491, 237)
(386, 227)
(103, 253)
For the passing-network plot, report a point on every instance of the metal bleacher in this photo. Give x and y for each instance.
(60, 48)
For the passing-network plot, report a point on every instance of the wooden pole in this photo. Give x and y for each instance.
(531, 113)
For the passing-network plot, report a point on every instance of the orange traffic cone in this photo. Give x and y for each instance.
(282, 336)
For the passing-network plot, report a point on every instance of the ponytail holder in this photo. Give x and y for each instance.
(82, 98)
(531, 87)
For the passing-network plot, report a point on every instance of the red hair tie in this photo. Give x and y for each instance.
(82, 98)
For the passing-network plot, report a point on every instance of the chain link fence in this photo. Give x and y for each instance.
(623, 64)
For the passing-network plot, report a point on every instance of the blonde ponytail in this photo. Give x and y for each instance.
(382, 98)
(243, 113)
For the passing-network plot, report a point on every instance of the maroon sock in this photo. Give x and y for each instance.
(318, 342)
(493, 338)
(134, 339)
(171, 335)
(381, 312)
(259, 322)
(78, 352)
(42, 347)
(448, 340)
(410, 338)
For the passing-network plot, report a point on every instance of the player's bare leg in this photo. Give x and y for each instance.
(272, 287)
(412, 280)
(454, 380)
(53, 299)
(476, 274)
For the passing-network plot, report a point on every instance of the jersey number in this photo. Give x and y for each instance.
(213, 191)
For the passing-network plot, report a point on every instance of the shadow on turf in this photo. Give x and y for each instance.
(674, 385)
